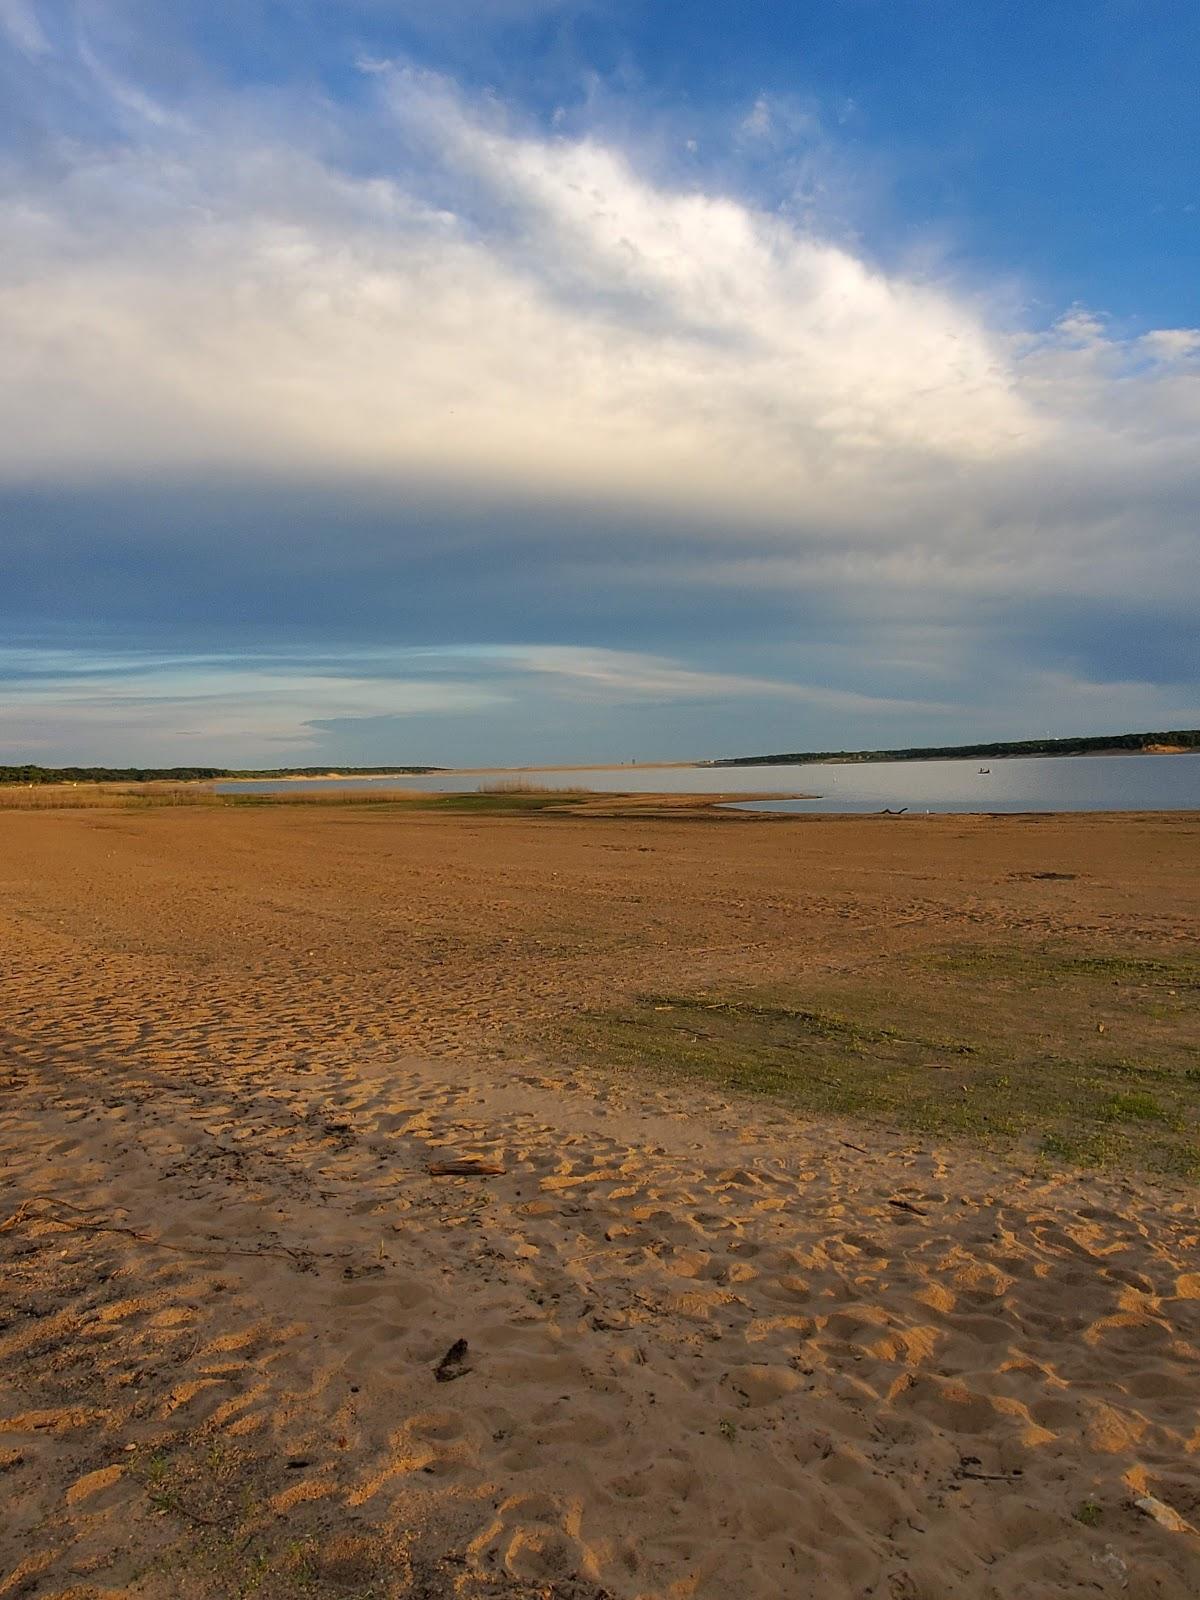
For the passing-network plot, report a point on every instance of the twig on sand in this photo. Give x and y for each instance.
(21, 1214)
(972, 1467)
(469, 1168)
(168, 1502)
(907, 1205)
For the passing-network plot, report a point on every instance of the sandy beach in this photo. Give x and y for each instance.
(714, 1344)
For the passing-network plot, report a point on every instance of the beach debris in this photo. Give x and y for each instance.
(972, 1467)
(907, 1205)
(1111, 1563)
(901, 1586)
(886, 812)
(469, 1167)
(361, 1269)
(1166, 1516)
(453, 1364)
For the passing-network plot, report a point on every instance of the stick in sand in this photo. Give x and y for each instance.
(468, 1168)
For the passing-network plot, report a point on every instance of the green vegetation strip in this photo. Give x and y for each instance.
(67, 798)
(471, 802)
(1060, 1059)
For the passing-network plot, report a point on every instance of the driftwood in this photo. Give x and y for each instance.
(1166, 1516)
(972, 1467)
(907, 1205)
(467, 1168)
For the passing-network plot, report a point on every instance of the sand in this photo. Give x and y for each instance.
(711, 1350)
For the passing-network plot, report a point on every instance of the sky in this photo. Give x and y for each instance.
(451, 382)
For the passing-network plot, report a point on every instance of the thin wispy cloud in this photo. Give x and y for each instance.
(622, 677)
(234, 704)
(19, 20)
(220, 709)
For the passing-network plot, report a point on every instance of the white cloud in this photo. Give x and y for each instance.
(440, 296)
(211, 710)
(215, 709)
(623, 676)
(520, 309)
(19, 19)
(1172, 344)
(757, 121)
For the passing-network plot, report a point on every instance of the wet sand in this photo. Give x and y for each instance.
(711, 1349)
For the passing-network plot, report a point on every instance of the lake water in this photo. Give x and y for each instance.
(1024, 783)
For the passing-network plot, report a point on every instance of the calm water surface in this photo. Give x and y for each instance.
(1025, 783)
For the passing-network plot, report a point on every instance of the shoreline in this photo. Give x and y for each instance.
(334, 775)
(735, 805)
(702, 765)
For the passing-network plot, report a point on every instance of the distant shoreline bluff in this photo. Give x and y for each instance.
(1174, 741)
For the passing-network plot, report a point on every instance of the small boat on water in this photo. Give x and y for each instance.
(985, 770)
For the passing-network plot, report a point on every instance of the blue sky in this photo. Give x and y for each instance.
(583, 379)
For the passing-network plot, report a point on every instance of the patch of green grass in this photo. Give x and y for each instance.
(221, 1536)
(856, 1033)
(504, 803)
(1081, 1149)
(1138, 1071)
(1139, 1107)
(941, 1054)
(1089, 1513)
(1051, 965)
(1129, 969)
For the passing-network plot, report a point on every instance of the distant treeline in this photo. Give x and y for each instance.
(1178, 738)
(33, 774)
